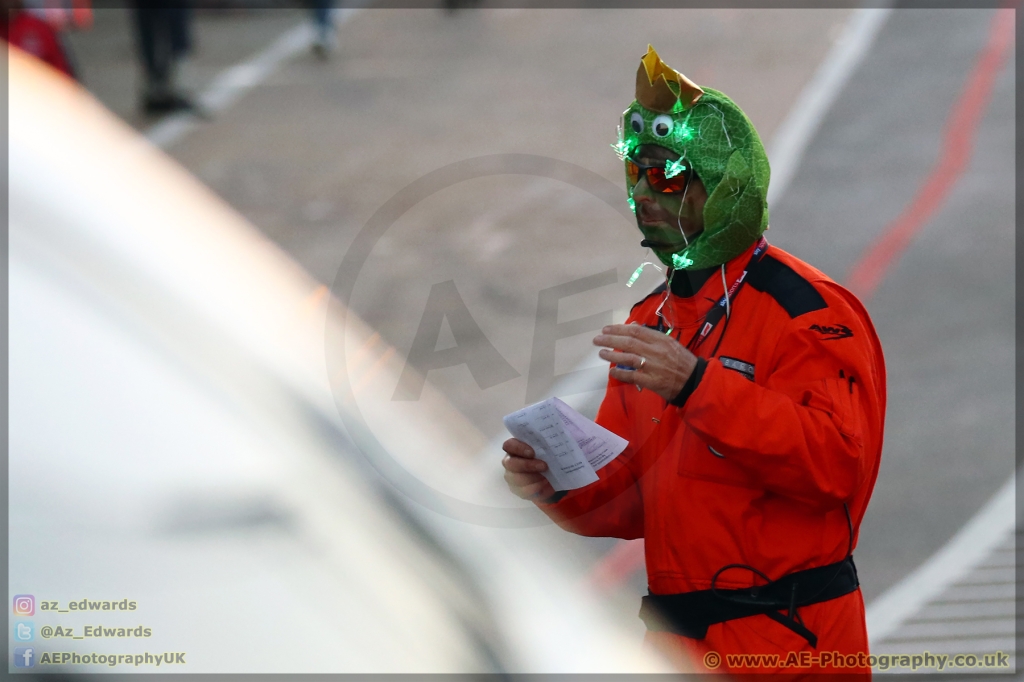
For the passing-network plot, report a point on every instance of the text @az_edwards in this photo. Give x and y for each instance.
(95, 632)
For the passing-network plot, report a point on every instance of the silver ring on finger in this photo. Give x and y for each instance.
(643, 361)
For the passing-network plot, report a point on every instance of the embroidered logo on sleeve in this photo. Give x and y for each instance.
(744, 368)
(831, 332)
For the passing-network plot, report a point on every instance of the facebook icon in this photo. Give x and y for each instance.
(23, 657)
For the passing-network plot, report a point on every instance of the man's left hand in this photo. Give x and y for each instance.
(661, 363)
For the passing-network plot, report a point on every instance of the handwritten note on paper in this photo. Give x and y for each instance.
(573, 446)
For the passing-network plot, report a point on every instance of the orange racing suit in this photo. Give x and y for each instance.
(769, 463)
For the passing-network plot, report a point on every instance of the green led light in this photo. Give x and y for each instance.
(621, 149)
(636, 275)
(638, 271)
(679, 261)
(621, 146)
(632, 205)
(674, 168)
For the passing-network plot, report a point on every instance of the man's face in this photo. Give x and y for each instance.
(665, 218)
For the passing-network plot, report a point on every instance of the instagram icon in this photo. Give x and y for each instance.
(24, 605)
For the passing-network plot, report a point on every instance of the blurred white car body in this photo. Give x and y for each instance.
(173, 441)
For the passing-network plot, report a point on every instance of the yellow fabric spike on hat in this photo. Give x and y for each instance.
(653, 89)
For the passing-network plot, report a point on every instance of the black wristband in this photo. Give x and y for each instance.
(691, 384)
(556, 497)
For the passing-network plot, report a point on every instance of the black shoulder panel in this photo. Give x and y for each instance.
(794, 293)
(659, 290)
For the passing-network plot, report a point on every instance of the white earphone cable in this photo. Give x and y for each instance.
(725, 287)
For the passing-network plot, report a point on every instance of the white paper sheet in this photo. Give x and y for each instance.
(573, 446)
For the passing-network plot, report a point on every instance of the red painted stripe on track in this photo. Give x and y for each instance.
(958, 145)
(625, 558)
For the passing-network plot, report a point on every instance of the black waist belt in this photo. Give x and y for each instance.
(689, 614)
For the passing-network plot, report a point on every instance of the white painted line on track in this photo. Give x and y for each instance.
(966, 550)
(231, 84)
(805, 117)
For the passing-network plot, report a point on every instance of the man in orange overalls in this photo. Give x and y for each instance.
(751, 389)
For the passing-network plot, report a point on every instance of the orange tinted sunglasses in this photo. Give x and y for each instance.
(656, 177)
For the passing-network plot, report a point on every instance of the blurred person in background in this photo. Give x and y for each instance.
(163, 32)
(38, 29)
(453, 5)
(751, 389)
(325, 41)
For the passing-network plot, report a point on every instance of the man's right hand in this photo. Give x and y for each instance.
(522, 471)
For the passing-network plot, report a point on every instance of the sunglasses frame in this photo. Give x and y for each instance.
(643, 168)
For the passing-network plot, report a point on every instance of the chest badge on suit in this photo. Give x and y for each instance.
(744, 368)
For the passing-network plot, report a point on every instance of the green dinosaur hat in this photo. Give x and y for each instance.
(716, 138)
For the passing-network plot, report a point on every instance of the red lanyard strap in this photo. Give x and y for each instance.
(717, 312)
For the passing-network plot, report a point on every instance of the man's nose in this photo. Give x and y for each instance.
(642, 192)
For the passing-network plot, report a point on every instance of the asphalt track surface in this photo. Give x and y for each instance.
(309, 155)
